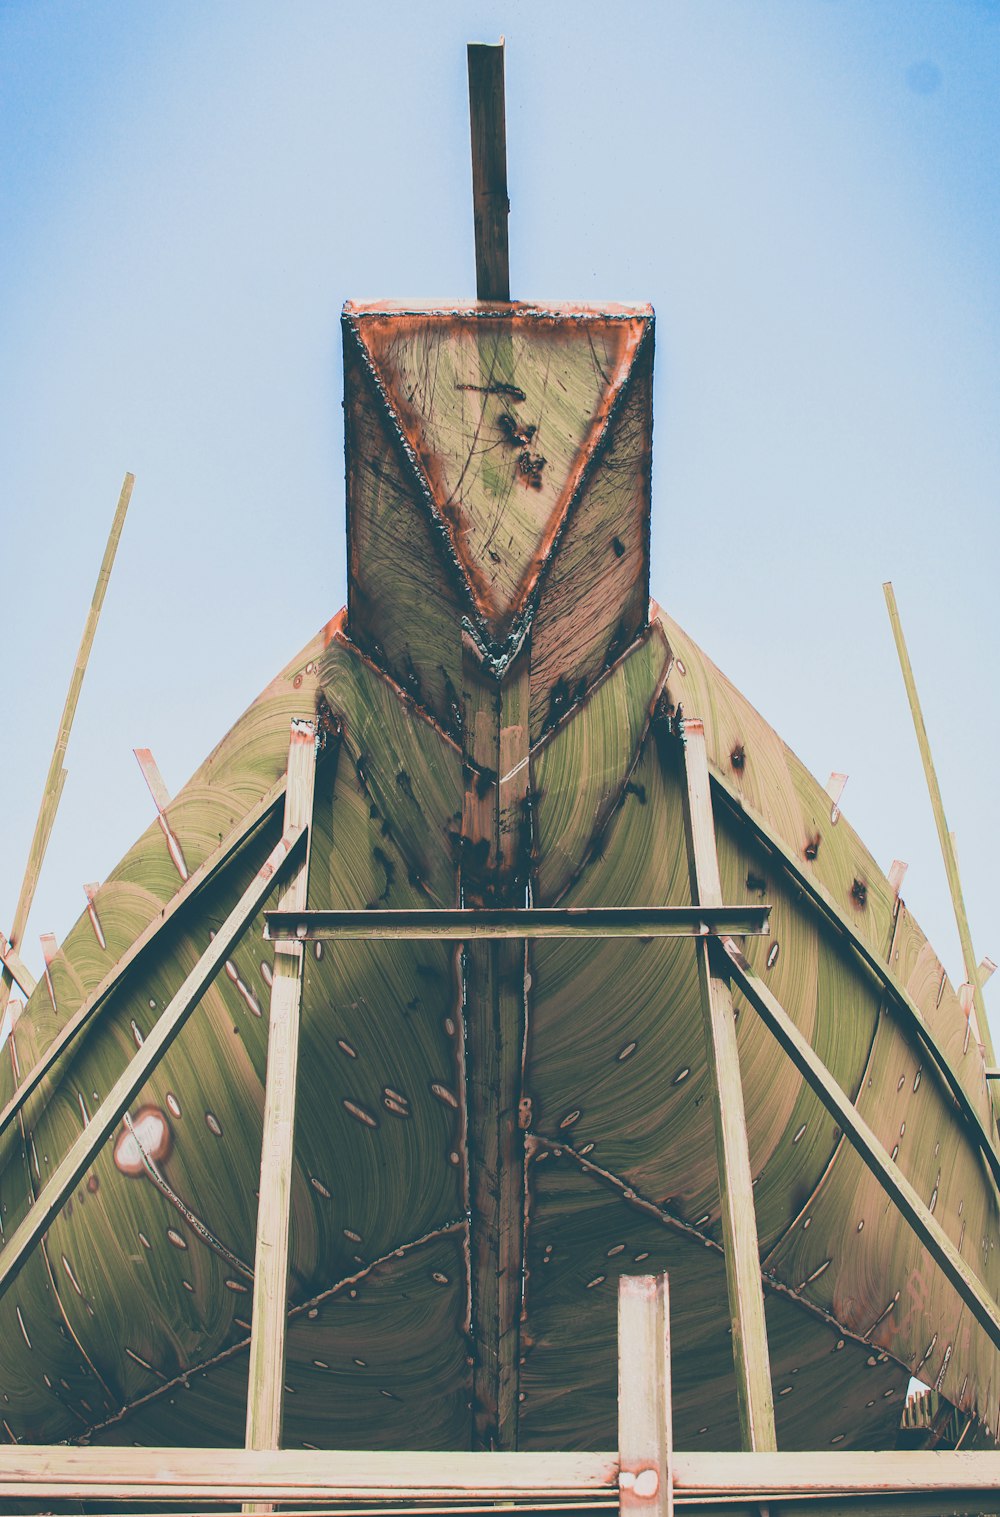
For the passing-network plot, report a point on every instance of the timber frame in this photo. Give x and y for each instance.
(644, 1475)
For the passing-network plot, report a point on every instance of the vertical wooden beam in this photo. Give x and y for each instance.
(490, 204)
(739, 1221)
(645, 1414)
(945, 838)
(265, 1397)
(56, 777)
(494, 873)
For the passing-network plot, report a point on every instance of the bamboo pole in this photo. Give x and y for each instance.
(861, 1138)
(265, 1395)
(56, 777)
(945, 838)
(81, 1154)
(751, 1360)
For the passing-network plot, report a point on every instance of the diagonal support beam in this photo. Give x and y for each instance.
(98, 998)
(754, 1393)
(18, 971)
(82, 1153)
(265, 1396)
(860, 1136)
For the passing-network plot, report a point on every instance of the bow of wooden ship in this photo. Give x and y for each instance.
(686, 966)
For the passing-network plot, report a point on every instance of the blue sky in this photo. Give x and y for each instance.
(807, 192)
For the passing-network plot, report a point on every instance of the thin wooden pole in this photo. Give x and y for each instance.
(945, 838)
(82, 1153)
(751, 1359)
(56, 777)
(98, 997)
(265, 1396)
(645, 1411)
(860, 1136)
(491, 206)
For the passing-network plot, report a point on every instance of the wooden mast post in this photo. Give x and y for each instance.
(265, 1396)
(739, 1222)
(56, 777)
(491, 206)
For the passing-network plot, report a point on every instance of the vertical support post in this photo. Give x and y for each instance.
(945, 838)
(265, 1395)
(739, 1222)
(56, 777)
(645, 1414)
(490, 204)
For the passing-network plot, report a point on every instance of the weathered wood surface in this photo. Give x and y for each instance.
(487, 119)
(137, 1311)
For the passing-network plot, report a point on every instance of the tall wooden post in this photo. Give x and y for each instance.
(645, 1414)
(265, 1395)
(739, 1221)
(489, 170)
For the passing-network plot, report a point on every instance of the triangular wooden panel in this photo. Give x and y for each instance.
(502, 413)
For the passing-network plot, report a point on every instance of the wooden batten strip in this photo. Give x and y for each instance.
(751, 1359)
(491, 207)
(82, 1153)
(99, 997)
(860, 1136)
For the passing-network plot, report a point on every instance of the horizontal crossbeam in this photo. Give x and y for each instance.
(462, 923)
(43, 1474)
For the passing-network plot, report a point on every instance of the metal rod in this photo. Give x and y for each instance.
(56, 776)
(490, 204)
(945, 838)
(463, 923)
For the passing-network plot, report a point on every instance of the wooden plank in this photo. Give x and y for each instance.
(863, 1140)
(645, 1413)
(100, 995)
(465, 923)
(45, 1473)
(491, 206)
(161, 800)
(751, 1359)
(945, 838)
(265, 1397)
(103, 1474)
(903, 1005)
(81, 1154)
(18, 971)
(56, 777)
